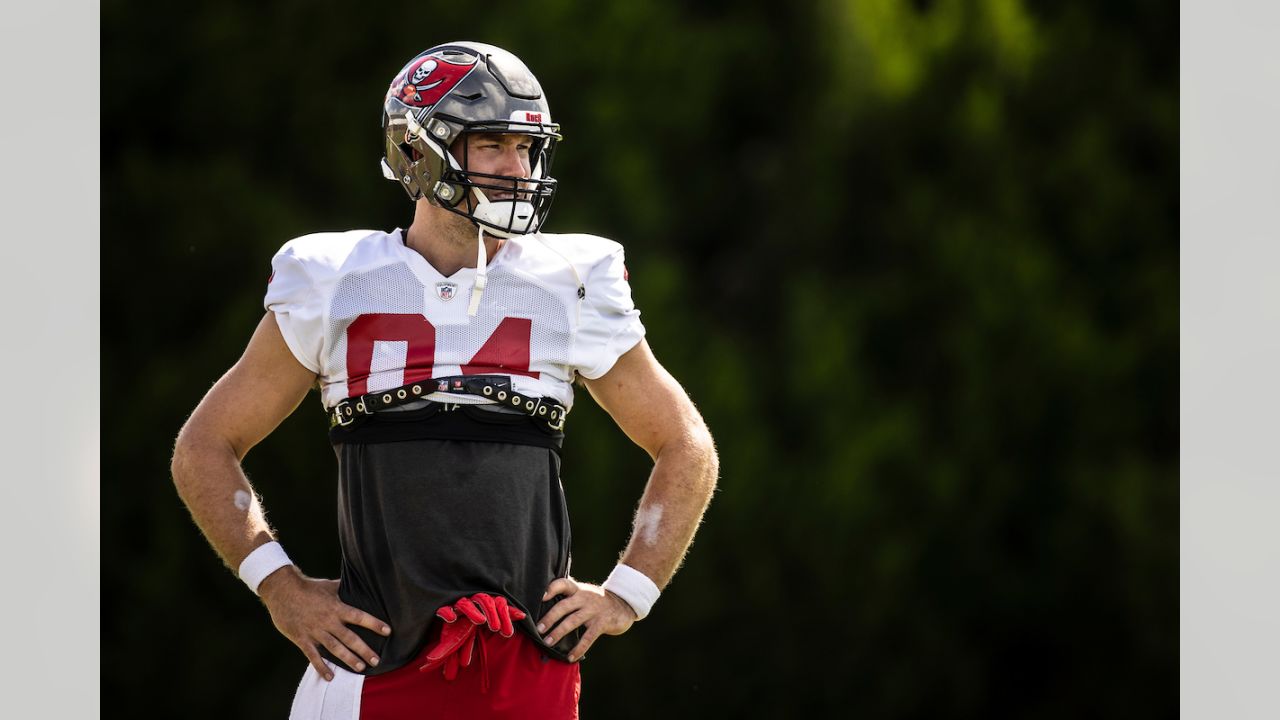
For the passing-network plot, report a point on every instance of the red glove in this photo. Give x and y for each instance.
(458, 640)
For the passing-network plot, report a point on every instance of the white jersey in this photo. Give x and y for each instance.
(367, 313)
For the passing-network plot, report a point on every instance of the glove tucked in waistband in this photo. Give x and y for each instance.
(456, 646)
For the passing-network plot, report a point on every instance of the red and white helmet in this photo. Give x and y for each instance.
(466, 87)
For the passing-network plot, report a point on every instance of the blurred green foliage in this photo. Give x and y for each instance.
(916, 262)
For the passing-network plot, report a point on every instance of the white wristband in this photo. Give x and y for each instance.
(264, 560)
(633, 586)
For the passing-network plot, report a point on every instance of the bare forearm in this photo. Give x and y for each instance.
(307, 611)
(679, 489)
(224, 506)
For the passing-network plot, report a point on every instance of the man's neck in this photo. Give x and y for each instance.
(448, 252)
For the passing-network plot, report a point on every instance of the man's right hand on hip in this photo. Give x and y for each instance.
(309, 613)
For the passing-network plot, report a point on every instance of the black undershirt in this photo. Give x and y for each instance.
(434, 506)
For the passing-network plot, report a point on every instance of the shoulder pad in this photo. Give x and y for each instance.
(329, 253)
(583, 250)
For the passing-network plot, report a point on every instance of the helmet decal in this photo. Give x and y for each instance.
(526, 116)
(424, 83)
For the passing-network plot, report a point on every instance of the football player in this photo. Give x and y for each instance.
(445, 354)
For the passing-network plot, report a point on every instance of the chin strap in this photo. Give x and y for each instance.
(481, 260)
(481, 275)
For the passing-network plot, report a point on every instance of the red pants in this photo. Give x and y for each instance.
(521, 683)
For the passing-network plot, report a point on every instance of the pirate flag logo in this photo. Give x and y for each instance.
(426, 81)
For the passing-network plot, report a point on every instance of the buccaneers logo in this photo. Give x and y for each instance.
(428, 80)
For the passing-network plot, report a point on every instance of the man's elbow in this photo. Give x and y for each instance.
(701, 448)
(712, 464)
(191, 450)
(183, 459)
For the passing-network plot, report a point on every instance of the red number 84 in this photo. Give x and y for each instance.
(506, 351)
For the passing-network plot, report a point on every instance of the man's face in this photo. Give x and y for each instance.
(495, 154)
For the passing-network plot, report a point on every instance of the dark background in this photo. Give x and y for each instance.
(916, 262)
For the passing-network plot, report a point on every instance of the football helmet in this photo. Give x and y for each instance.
(448, 92)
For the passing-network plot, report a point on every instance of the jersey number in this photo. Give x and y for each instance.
(506, 351)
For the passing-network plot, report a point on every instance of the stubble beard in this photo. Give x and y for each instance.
(459, 230)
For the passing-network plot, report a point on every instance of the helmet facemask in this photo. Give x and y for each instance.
(502, 205)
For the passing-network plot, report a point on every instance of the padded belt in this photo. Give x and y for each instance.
(489, 387)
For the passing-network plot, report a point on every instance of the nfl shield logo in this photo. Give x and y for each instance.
(446, 290)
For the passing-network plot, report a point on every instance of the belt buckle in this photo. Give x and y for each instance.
(355, 409)
(558, 425)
